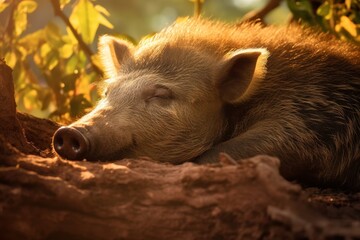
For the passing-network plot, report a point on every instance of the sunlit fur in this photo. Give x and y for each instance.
(302, 105)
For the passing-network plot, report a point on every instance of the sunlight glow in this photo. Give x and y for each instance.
(245, 3)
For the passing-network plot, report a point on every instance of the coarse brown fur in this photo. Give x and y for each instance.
(302, 104)
(307, 108)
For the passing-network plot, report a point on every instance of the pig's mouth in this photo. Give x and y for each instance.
(73, 144)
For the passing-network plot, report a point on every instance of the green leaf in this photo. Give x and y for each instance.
(78, 105)
(85, 19)
(46, 100)
(72, 64)
(302, 9)
(323, 10)
(348, 25)
(69, 82)
(53, 60)
(53, 36)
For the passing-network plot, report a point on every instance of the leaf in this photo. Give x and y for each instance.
(69, 82)
(46, 100)
(348, 4)
(20, 20)
(72, 64)
(102, 10)
(53, 60)
(27, 6)
(66, 51)
(78, 105)
(32, 41)
(10, 59)
(348, 25)
(63, 3)
(44, 50)
(85, 19)
(3, 6)
(103, 21)
(20, 15)
(338, 28)
(53, 36)
(302, 9)
(324, 9)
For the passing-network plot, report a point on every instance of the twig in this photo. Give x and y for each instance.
(261, 13)
(82, 44)
(197, 7)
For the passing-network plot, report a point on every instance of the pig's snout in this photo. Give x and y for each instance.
(70, 143)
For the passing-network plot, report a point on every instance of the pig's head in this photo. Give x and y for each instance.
(162, 100)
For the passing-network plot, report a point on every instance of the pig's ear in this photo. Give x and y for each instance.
(113, 53)
(240, 72)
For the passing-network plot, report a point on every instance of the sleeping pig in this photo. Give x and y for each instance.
(200, 87)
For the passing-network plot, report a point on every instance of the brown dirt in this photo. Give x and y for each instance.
(43, 197)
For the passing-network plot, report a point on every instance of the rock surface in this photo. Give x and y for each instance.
(43, 197)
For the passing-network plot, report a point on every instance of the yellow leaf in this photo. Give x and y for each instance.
(66, 51)
(27, 6)
(30, 100)
(105, 22)
(3, 5)
(10, 59)
(102, 10)
(85, 19)
(63, 3)
(348, 25)
(348, 4)
(44, 50)
(338, 27)
(31, 41)
(20, 19)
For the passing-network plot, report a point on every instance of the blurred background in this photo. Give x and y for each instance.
(137, 18)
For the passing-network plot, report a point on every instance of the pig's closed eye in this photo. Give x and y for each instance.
(158, 92)
(162, 92)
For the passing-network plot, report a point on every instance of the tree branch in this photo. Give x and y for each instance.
(82, 44)
(261, 13)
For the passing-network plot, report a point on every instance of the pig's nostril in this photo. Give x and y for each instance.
(75, 145)
(70, 143)
(58, 142)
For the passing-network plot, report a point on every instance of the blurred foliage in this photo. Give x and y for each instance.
(339, 17)
(54, 70)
